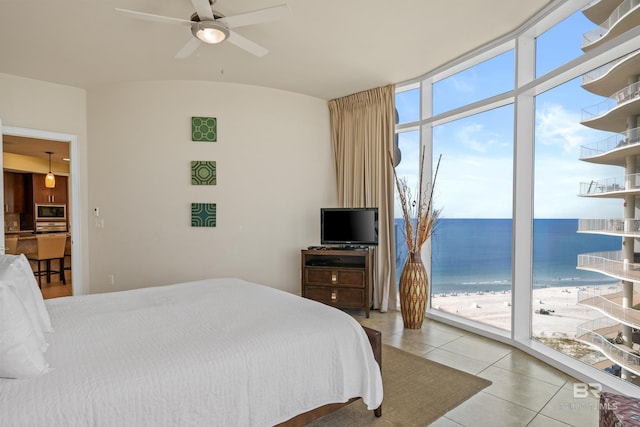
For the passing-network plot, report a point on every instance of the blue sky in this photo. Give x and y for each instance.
(475, 179)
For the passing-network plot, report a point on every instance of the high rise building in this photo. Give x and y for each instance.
(617, 334)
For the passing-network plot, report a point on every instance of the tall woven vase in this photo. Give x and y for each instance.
(414, 288)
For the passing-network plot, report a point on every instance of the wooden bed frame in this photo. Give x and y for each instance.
(375, 339)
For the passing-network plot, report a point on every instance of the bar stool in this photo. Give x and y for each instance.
(67, 254)
(50, 246)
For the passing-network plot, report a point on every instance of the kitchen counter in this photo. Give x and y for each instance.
(25, 233)
(27, 243)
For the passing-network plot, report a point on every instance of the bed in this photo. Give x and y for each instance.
(212, 352)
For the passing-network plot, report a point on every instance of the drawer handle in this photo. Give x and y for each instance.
(334, 277)
(334, 296)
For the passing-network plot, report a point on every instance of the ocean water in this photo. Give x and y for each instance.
(471, 255)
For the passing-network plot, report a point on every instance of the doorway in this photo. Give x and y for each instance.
(25, 153)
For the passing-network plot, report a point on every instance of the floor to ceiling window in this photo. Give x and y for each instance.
(576, 204)
(471, 246)
(557, 212)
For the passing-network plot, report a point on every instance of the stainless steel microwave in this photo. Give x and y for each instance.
(51, 212)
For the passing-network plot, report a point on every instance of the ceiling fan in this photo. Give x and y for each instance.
(212, 27)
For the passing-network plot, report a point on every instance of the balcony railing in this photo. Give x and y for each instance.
(610, 263)
(609, 304)
(626, 139)
(591, 3)
(628, 93)
(610, 185)
(594, 333)
(601, 71)
(598, 109)
(611, 226)
(597, 33)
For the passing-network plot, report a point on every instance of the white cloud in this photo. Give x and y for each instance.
(479, 139)
(557, 184)
(464, 85)
(559, 172)
(468, 136)
(560, 127)
(475, 187)
(476, 175)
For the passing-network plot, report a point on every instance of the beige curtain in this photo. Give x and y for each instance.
(362, 132)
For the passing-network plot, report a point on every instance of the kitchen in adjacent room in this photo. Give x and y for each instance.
(37, 209)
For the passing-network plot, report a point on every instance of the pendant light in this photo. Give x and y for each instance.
(50, 179)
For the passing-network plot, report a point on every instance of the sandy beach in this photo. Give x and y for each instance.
(564, 313)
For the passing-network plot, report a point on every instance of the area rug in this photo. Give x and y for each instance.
(417, 392)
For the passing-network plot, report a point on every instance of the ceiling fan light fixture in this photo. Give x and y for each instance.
(210, 32)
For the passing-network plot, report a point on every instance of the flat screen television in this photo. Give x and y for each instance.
(349, 226)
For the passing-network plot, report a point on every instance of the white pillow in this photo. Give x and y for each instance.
(15, 271)
(21, 355)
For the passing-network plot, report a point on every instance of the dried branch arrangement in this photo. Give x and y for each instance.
(417, 209)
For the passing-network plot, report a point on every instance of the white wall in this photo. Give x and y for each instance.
(41, 106)
(275, 170)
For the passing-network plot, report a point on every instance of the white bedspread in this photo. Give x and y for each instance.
(221, 352)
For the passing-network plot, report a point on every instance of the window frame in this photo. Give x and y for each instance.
(527, 86)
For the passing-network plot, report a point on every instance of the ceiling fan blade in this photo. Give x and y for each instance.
(246, 44)
(257, 16)
(150, 17)
(203, 9)
(188, 48)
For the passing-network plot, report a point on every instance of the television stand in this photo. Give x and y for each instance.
(340, 277)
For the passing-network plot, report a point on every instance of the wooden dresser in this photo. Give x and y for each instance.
(341, 278)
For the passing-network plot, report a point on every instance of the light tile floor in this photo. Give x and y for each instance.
(525, 391)
(56, 289)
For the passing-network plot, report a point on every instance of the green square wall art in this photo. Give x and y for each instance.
(203, 214)
(204, 129)
(203, 172)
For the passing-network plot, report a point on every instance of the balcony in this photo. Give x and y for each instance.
(623, 18)
(611, 305)
(611, 114)
(598, 11)
(612, 150)
(610, 77)
(611, 264)
(612, 227)
(611, 187)
(600, 333)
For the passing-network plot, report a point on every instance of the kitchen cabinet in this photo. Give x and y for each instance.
(14, 194)
(42, 194)
(35, 193)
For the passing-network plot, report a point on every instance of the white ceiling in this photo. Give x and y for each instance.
(325, 49)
